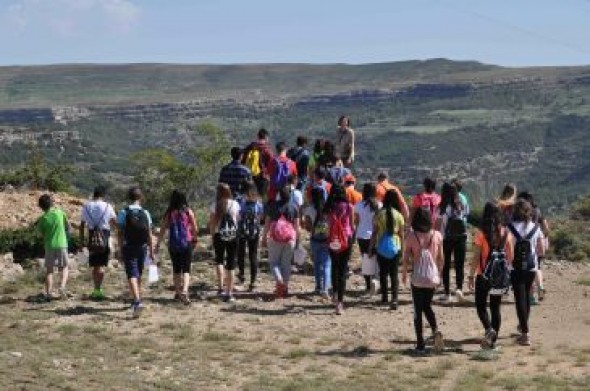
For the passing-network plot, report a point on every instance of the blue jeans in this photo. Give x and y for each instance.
(322, 266)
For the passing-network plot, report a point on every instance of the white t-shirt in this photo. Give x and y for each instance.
(524, 231)
(98, 214)
(365, 223)
(233, 209)
(297, 198)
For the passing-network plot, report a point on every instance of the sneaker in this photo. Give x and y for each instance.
(489, 339)
(137, 309)
(97, 294)
(445, 298)
(393, 306)
(524, 340)
(339, 309)
(220, 292)
(229, 299)
(252, 287)
(419, 351)
(533, 300)
(46, 297)
(63, 294)
(439, 343)
(541, 293)
(459, 295)
(519, 329)
(373, 288)
(184, 299)
(279, 290)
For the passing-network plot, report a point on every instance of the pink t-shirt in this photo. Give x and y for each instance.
(432, 239)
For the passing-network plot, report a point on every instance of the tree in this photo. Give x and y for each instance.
(193, 171)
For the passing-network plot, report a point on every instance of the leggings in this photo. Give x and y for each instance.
(252, 245)
(339, 272)
(455, 248)
(481, 297)
(422, 298)
(521, 284)
(388, 268)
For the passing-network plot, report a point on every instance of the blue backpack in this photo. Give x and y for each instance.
(179, 223)
(387, 247)
(281, 174)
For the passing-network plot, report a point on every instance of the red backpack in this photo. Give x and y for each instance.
(338, 241)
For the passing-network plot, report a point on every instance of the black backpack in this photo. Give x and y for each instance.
(137, 227)
(249, 226)
(97, 240)
(455, 227)
(228, 230)
(496, 274)
(320, 232)
(524, 258)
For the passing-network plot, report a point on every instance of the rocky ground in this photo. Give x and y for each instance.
(292, 344)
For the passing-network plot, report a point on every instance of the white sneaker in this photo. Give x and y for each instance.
(373, 287)
(445, 298)
(459, 296)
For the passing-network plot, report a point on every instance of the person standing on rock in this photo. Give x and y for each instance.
(54, 227)
(345, 141)
(98, 216)
(136, 244)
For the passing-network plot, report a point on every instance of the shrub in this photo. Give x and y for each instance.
(27, 243)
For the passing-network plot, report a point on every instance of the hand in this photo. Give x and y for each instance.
(471, 284)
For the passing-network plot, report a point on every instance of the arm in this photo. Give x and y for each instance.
(163, 229)
(194, 226)
(405, 261)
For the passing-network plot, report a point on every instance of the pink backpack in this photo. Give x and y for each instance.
(425, 273)
(282, 230)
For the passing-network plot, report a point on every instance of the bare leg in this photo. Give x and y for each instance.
(186, 282)
(178, 283)
(229, 282)
(49, 280)
(219, 270)
(65, 271)
(134, 288)
(98, 276)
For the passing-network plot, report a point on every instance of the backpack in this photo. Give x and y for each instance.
(455, 227)
(281, 173)
(253, 161)
(496, 273)
(97, 240)
(336, 175)
(337, 241)
(179, 229)
(137, 227)
(524, 257)
(228, 230)
(387, 247)
(320, 231)
(282, 230)
(425, 272)
(249, 225)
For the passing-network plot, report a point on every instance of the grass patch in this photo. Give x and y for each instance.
(297, 354)
(214, 336)
(584, 281)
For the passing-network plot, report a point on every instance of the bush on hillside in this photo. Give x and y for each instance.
(27, 243)
(581, 210)
(38, 173)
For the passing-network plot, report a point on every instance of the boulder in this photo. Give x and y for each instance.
(9, 271)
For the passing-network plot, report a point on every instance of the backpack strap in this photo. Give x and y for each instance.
(514, 232)
(532, 232)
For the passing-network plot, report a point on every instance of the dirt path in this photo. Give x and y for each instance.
(293, 344)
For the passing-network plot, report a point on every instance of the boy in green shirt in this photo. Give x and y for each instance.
(53, 225)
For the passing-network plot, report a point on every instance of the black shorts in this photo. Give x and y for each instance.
(100, 259)
(225, 252)
(364, 245)
(181, 260)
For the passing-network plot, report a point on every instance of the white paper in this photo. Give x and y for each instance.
(153, 274)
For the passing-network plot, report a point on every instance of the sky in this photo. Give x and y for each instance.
(503, 32)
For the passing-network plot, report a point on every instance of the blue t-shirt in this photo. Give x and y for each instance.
(245, 206)
(121, 217)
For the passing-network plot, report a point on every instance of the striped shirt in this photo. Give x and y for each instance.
(234, 175)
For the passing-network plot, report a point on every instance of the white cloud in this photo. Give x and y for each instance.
(68, 18)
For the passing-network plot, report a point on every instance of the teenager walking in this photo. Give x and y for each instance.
(364, 213)
(316, 222)
(423, 251)
(249, 230)
(179, 220)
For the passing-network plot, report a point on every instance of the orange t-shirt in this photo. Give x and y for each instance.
(353, 196)
(480, 241)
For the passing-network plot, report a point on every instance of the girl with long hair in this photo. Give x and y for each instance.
(364, 213)
(388, 224)
(180, 221)
(223, 222)
(316, 223)
(491, 236)
(340, 217)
